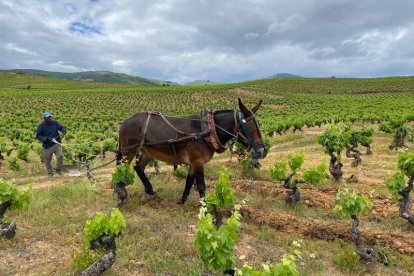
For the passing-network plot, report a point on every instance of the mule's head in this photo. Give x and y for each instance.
(249, 133)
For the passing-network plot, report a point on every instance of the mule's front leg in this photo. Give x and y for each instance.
(201, 186)
(139, 168)
(199, 177)
(188, 184)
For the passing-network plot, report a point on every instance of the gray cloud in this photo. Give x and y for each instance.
(182, 40)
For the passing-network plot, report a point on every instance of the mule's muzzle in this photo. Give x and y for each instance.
(258, 154)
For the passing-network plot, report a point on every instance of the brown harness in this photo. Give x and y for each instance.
(212, 139)
(208, 133)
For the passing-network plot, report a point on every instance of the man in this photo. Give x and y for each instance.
(46, 133)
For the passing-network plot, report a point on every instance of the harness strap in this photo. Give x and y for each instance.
(242, 126)
(209, 132)
(171, 141)
(212, 139)
(187, 137)
(145, 132)
(171, 125)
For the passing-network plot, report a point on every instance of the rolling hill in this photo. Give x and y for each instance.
(97, 76)
(285, 76)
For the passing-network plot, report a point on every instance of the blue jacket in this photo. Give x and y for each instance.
(47, 131)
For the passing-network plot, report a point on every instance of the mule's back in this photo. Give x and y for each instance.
(156, 128)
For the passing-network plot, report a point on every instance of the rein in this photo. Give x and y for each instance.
(242, 126)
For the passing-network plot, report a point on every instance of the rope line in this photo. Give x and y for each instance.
(85, 164)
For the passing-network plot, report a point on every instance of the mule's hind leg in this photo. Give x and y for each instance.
(139, 168)
(188, 184)
(118, 156)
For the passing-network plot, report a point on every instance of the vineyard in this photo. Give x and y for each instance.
(332, 197)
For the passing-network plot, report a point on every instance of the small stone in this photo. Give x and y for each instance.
(140, 263)
(409, 250)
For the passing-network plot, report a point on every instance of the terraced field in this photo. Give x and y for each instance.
(159, 238)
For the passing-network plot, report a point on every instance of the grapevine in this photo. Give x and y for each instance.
(123, 176)
(349, 204)
(334, 140)
(397, 127)
(398, 187)
(312, 176)
(223, 197)
(358, 137)
(100, 233)
(11, 198)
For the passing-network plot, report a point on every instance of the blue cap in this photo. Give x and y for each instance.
(47, 114)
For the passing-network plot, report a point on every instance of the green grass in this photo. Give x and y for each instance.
(347, 260)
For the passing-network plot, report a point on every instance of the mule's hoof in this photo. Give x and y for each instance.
(122, 202)
(183, 200)
(151, 194)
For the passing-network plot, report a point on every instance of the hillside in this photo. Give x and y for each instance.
(96, 76)
(202, 82)
(285, 76)
(20, 80)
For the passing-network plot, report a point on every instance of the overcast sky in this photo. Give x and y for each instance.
(219, 40)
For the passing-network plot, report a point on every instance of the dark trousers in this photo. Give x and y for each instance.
(47, 156)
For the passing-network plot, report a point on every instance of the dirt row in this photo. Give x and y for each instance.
(326, 230)
(309, 228)
(383, 207)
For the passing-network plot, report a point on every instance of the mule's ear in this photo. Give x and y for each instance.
(257, 106)
(244, 109)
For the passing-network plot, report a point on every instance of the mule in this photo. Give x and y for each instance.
(190, 140)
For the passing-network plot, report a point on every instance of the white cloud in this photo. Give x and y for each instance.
(12, 47)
